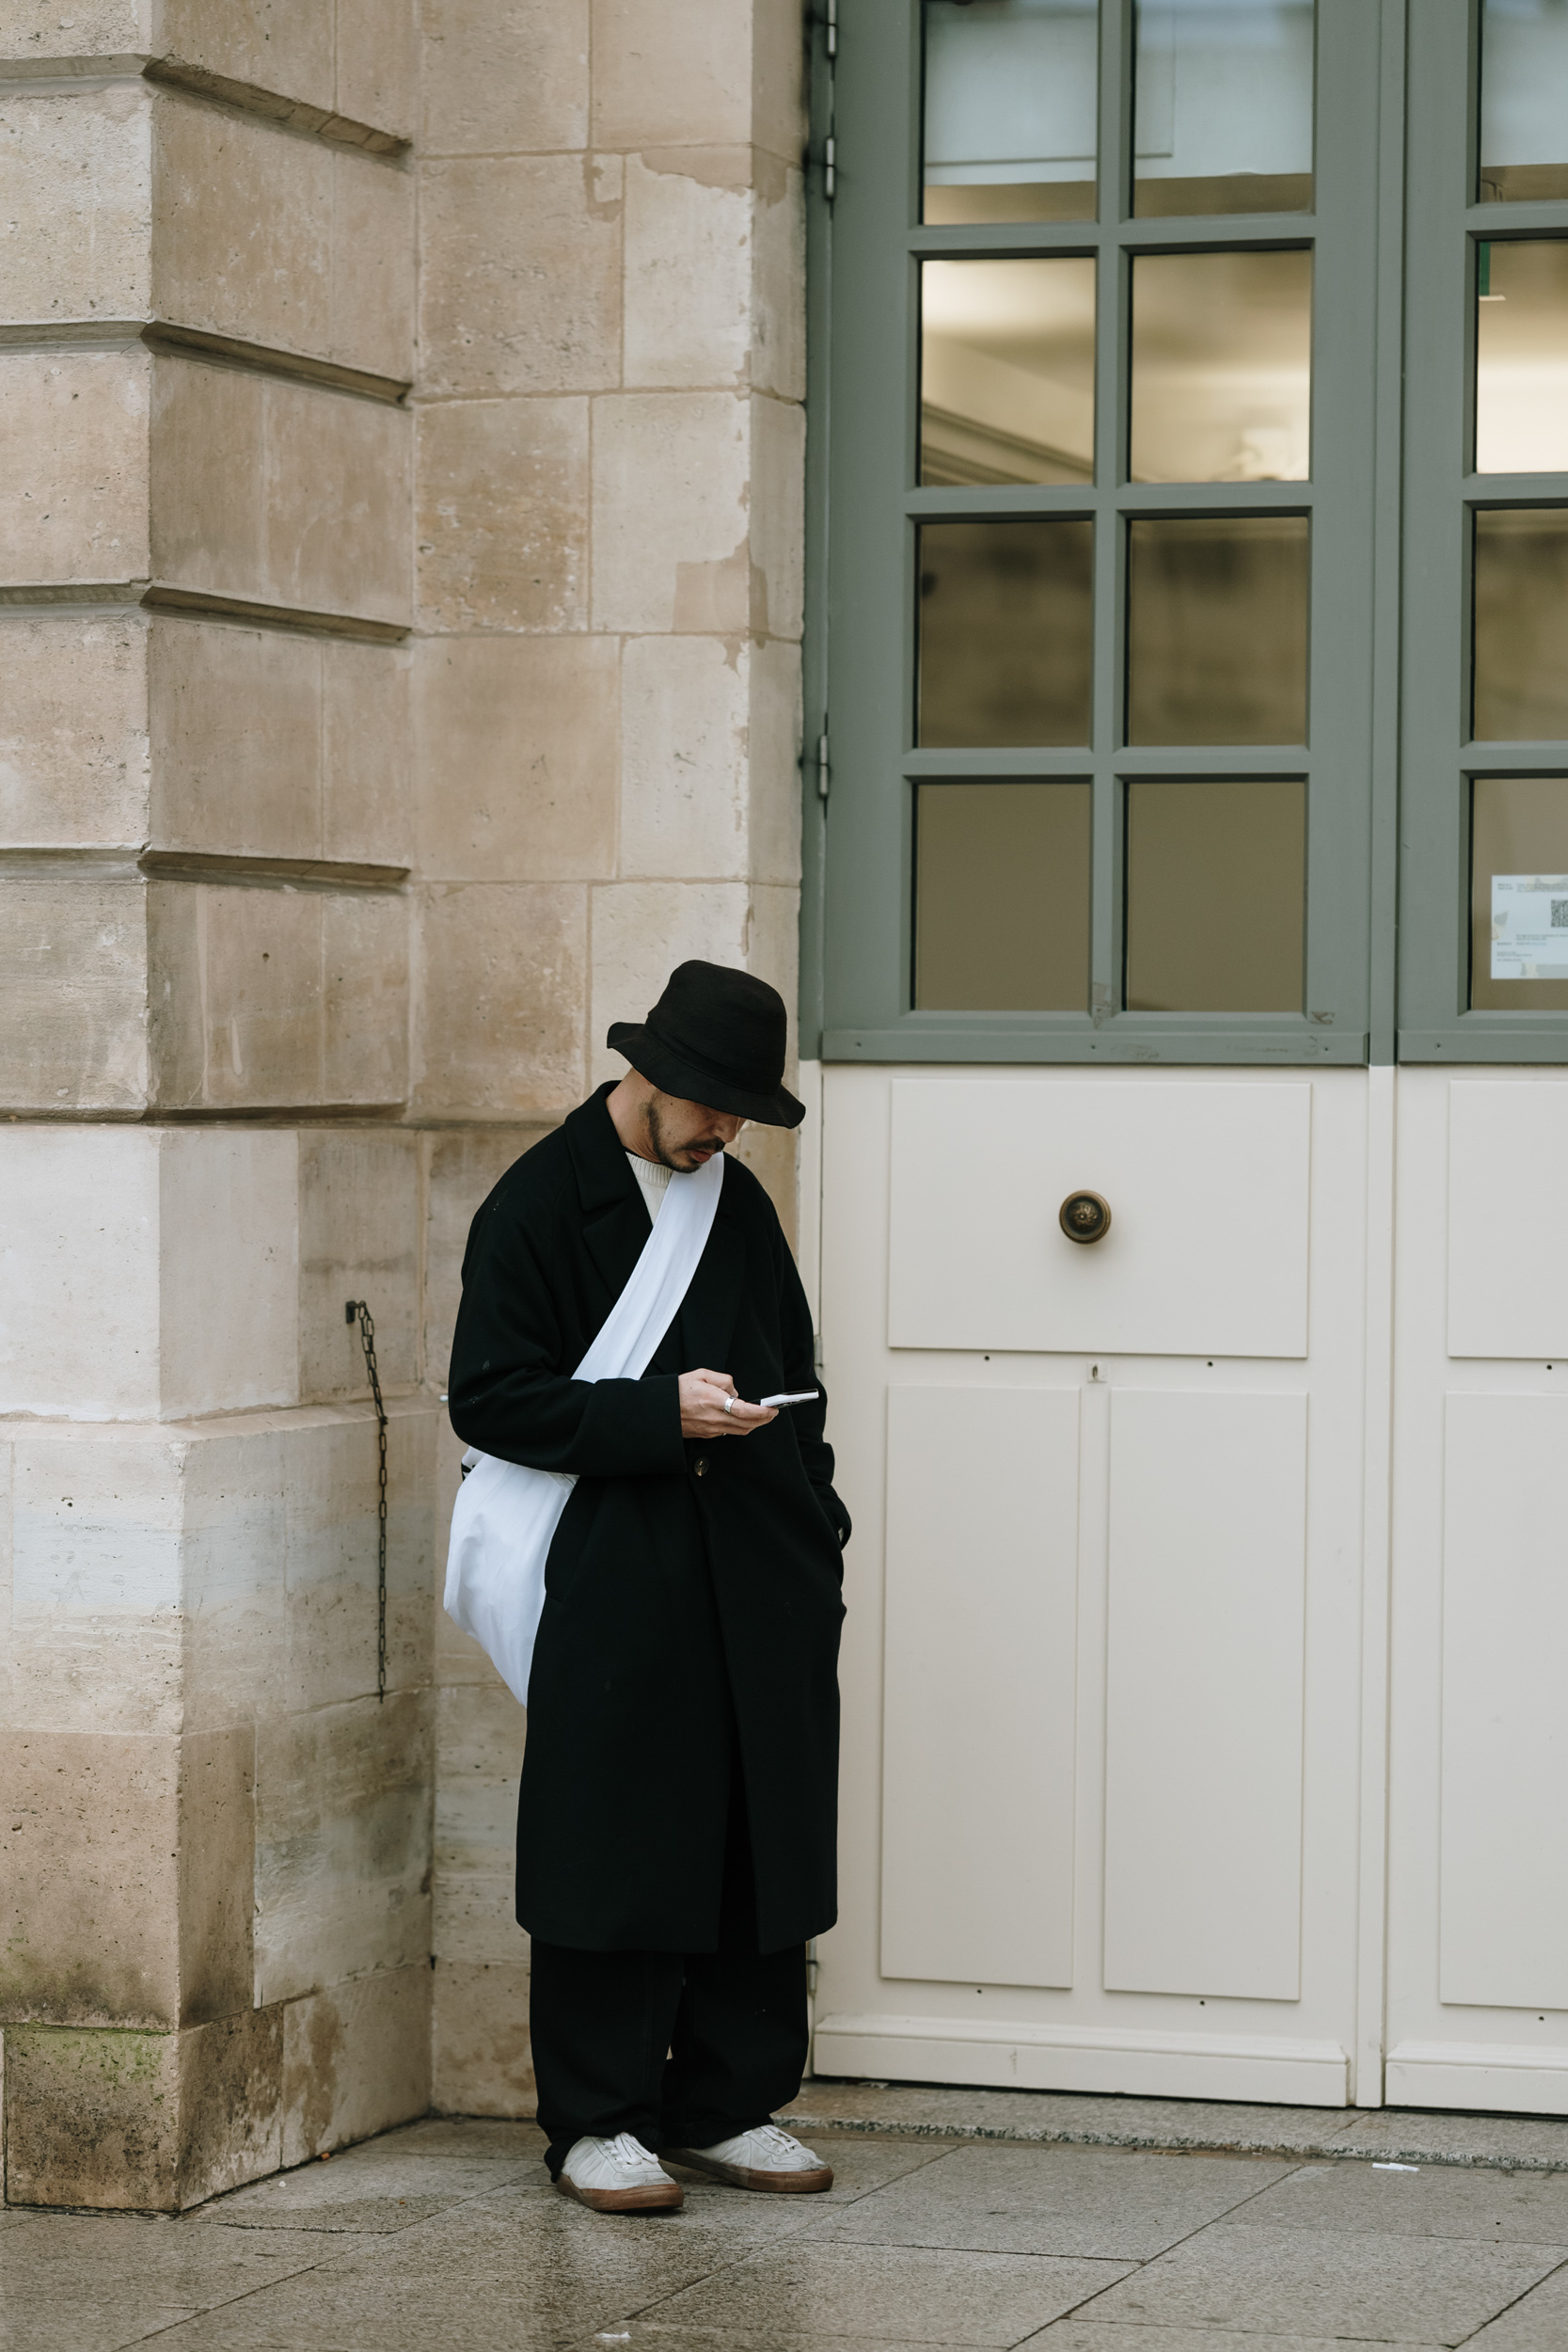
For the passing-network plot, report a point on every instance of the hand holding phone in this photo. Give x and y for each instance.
(796, 1396)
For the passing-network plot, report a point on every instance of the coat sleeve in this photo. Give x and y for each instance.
(507, 1393)
(800, 1359)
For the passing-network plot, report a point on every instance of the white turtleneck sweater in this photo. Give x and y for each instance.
(655, 1181)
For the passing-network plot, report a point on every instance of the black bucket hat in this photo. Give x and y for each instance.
(716, 1036)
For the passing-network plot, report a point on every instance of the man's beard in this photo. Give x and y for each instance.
(678, 1157)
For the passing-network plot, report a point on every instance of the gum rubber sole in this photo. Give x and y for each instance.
(740, 2176)
(666, 2197)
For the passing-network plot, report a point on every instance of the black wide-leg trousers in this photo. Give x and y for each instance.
(681, 2049)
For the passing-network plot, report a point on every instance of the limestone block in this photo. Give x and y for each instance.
(242, 228)
(76, 197)
(461, 1167)
(110, 2119)
(342, 1844)
(366, 815)
(515, 757)
(773, 1156)
(504, 75)
(374, 252)
(473, 1915)
(358, 1238)
(778, 281)
(74, 732)
(671, 494)
(72, 978)
(778, 500)
(364, 998)
(236, 724)
(685, 787)
(773, 742)
(280, 492)
(281, 45)
(501, 515)
(480, 1735)
(481, 2061)
(672, 73)
(642, 930)
(498, 1017)
(780, 55)
(100, 1319)
(233, 1559)
(327, 1654)
(33, 29)
(521, 274)
(74, 484)
(355, 2060)
(689, 271)
(90, 1931)
(216, 1872)
(378, 64)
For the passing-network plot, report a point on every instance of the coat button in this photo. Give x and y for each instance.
(700, 1464)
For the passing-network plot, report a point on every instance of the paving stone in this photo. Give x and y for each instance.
(75, 2282)
(1106, 2203)
(917, 2294)
(1438, 2201)
(1318, 2282)
(390, 2183)
(1537, 2323)
(1085, 2335)
(1066, 2116)
(1414, 2137)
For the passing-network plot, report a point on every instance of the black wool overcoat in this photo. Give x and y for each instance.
(692, 1591)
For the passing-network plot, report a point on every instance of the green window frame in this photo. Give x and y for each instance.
(864, 249)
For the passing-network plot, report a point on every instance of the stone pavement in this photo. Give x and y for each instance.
(1078, 2225)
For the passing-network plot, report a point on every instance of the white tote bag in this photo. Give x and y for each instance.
(506, 1514)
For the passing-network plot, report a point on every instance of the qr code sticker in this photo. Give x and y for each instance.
(1559, 915)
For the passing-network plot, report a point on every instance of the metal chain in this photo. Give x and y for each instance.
(356, 1310)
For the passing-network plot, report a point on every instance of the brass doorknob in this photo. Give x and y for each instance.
(1085, 1217)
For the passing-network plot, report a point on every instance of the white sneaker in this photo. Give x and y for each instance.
(763, 2158)
(618, 2176)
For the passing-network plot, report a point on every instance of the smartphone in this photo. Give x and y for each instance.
(800, 1396)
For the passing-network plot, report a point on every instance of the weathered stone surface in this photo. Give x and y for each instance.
(670, 74)
(73, 741)
(685, 767)
(501, 515)
(642, 930)
(230, 2103)
(778, 496)
(505, 74)
(76, 196)
(342, 1844)
(90, 1932)
(772, 1155)
(514, 758)
(355, 2059)
(73, 978)
(280, 492)
(480, 1735)
(522, 281)
(234, 1475)
(482, 2060)
(460, 1168)
(379, 66)
(500, 1020)
(242, 231)
(327, 1497)
(281, 45)
(32, 29)
(358, 1238)
(688, 278)
(670, 496)
(236, 740)
(372, 266)
(217, 1858)
(73, 491)
(366, 754)
(364, 998)
(229, 1298)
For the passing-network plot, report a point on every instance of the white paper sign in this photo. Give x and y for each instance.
(1530, 926)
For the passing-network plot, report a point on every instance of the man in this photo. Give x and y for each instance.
(676, 1826)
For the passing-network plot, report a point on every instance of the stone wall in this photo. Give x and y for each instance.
(400, 584)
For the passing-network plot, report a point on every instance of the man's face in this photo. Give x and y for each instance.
(683, 1135)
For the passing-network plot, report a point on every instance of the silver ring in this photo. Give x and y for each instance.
(729, 1402)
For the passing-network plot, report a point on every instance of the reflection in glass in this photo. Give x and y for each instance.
(1223, 107)
(1007, 630)
(1216, 630)
(1222, 367)
(1524, 119)
(1006, 372)
(1011, 97)
(1002, 897)
(1519, 894)
(1522, 356)
(1217, 895)
(1521, 626)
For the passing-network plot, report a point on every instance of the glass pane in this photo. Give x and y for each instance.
(1521, 608)
(1222, 108)
(1523, 100)
(1216, 630)
(1006, 631)
(1011, 97)
(1217, 895)
(1006, 372)
(1519, 894)
(1222, 367)
(1522, 357)
(1002, 897)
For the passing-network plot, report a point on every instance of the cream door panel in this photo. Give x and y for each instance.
(1209, 1190)
(1203, 1794)
(979, 1661)
(1504, 1891)
(1508, 1184)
